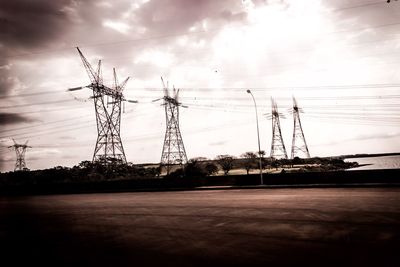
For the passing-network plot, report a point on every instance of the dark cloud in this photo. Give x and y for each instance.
(27, 24)
(26, 27)
(12, 118)
(176, 16)
(2, 163)
(7, 82)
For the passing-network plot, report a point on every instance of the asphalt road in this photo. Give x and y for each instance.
(275, 227)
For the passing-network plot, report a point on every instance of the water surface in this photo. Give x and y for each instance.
(386, 162)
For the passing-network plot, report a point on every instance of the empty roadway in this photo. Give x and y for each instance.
(275, 227)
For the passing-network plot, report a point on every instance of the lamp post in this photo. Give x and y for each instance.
(258, 136)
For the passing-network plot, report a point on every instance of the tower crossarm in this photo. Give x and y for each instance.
(107, 91)
(93, 76)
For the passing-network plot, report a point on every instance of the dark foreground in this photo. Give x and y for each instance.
(275, 227)
(19, 183)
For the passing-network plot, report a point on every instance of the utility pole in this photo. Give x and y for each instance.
(173, 152)
(20, 150)
(108, 105)
(298, 134)
(258, 138)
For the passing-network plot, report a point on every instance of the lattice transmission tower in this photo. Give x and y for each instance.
(173, 152)
(278, 149)
(108, 103)
(20, 150)
(299, 143)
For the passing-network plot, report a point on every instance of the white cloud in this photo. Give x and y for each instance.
(118, 26)
(155, 57)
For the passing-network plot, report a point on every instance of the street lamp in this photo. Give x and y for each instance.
(258, 136)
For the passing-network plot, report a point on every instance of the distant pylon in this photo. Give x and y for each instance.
(108, 106)
(299, 141)
(173, 152)
(20, 150)
(278, 149)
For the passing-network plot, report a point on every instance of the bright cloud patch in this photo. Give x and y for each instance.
(117, 26)
(155, 57)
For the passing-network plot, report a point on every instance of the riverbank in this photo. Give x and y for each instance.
(382, 162)
(355, 178)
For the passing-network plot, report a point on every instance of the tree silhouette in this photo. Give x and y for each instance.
(249, 161)
(211, 168)
(226, 162)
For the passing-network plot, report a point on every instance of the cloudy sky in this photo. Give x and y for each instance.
(338, 58)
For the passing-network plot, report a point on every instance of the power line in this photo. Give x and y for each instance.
(34, 104)
(124, 58)
(307, 98)
(86, 125)
(309, 87)
(49, 110)
(42, 124)
(43, 132)
(339, 120)
(233, 89)
(358, 6)
(30, 94)
(334, 111)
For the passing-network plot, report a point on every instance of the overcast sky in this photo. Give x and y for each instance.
(338, 58)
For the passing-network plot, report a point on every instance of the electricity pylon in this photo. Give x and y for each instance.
(173, 152)
(278, 149)
(299, 141)
(108, 106)
(20, 150)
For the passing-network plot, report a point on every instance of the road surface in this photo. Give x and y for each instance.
(252, 227)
